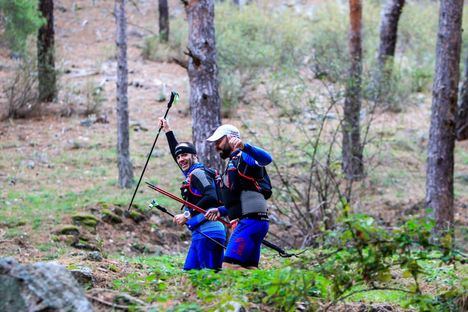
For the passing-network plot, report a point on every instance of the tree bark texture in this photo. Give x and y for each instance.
(440, 162)
(203, 75)
(388, 40)
(45, 54)
(352, 148)
(163, 21)
(462, 116)
(123, 137)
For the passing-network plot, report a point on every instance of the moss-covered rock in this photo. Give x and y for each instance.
(118, 211)
(13, 223)
(66, 239)
(104, 205)
(67, 229)
(85, 219)
(110, 217)
(82, 244)
(135, 216)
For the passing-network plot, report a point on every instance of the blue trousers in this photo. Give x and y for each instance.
(205, 254)
(245, 242)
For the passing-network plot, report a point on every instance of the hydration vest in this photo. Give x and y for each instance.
(251, 178)
(192, 195)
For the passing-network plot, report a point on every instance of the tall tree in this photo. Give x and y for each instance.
(388, 39)
(462, 116)
(163, 21)
(203, 75)
(123, 137)
(45, 53)
(441, 145)
(352, 148)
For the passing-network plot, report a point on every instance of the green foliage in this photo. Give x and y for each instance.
(155, 50)
(254, 44)
(359, 261)
(21, 19)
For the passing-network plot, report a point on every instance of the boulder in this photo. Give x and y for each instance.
(39, 287)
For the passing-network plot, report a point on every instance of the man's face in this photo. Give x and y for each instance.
(186, 160)
(223, 147)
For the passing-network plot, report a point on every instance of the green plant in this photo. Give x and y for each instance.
(21, 19)
(94, 98)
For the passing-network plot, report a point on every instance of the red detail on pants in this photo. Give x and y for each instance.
(240, 241)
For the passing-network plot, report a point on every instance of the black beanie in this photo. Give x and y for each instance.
(185, 147)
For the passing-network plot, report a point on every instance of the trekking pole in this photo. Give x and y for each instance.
(174, 98)
(154, 204)
(277, 248)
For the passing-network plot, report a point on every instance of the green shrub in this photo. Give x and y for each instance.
(155, 50)
(21, 19)
(254, 44)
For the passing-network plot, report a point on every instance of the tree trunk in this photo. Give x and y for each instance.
(45, 53)
(123, 138)
(203, 75)
(440, 162)
(163, 21)
(352, 148)
(388, 39)
(462, 117)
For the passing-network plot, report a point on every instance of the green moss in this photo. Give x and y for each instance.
(85, 219)
(110, 217)
(136, 216)
(67, 229)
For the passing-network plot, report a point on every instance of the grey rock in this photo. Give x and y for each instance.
(39, 287)
(94, 256)
(86, 122)
(83, 275)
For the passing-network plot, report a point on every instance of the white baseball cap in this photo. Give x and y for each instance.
(223, 130)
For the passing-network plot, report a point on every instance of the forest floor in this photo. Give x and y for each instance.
(62, 163)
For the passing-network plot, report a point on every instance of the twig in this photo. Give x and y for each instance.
(109, 304)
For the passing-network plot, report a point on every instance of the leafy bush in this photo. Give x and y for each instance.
(21, 19)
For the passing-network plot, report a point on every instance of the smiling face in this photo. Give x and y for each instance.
(186, 160)
(223, 147)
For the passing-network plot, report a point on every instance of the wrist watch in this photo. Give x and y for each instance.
(187, 214)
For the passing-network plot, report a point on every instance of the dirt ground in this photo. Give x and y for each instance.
(85, 36)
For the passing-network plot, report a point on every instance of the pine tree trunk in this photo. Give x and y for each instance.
(388, 40)
(352, 148)
(163, 21)
(203, 75)
(462, 117)
(45, 54)
(440, 163)
(123, 138)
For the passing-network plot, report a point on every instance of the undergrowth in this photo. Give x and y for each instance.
(358, 261)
